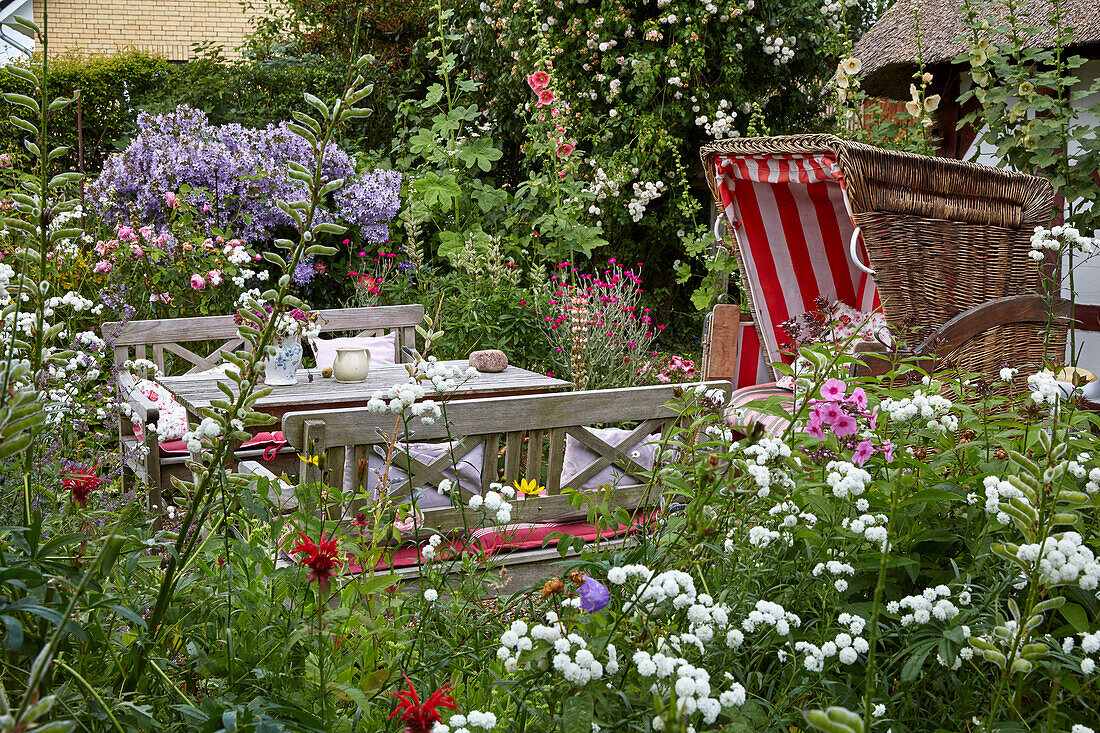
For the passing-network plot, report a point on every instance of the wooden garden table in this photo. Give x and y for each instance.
(195, 392)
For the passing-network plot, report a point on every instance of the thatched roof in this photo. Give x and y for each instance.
(889, 49)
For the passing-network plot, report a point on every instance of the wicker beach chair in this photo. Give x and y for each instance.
(936, 243)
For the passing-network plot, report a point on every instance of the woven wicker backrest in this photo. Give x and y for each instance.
(941, 235)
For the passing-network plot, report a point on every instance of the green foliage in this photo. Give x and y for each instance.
(110, 87)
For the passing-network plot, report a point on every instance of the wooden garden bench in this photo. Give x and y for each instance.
(542, 436)
(162, 342)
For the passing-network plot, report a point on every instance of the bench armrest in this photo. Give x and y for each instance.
(143, 408)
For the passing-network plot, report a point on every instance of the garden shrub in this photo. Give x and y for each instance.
(111, 89)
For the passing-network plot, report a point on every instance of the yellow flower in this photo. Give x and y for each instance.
(311, 460)
(1026, 89)
(528, 487)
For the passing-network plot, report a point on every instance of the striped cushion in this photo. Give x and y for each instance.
(789, 215)
(739, 414)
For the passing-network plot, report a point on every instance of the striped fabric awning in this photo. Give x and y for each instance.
(790, 218)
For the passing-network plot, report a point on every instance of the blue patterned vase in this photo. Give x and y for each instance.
(281, 368)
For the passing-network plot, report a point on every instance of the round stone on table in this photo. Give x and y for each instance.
(489, 360)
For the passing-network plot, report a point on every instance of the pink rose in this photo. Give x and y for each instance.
(215, 277)
(138, 251)
(170, 199)
(205, 208)
(162, 297)
(198, 282)
(103, 266)
(125, 233)
(565, 150)
(146, 232)
(100, 248)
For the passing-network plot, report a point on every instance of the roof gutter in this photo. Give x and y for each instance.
(17, 44)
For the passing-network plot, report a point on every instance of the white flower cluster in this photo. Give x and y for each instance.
(1093, 484)
(1090, 644)
(780, 47)
(791, 514)
(844, 647)
(722, 124)
(400, 397)
(671, 585)
(1044, 388)
(1056, 237)
(934, 409)
(603, 185)
(766, 613)
(835, 567)
(691, 683)
(444, 378)
(73, 300)
(644, 193)
(428, 553)
(846, 478)
(932, 603)
(493, 502)
(1063, 559)
(209, 428)
(7, 274)
(462, 722)
(236, 254)
(997, 491)
(871, 526)
(572, 658)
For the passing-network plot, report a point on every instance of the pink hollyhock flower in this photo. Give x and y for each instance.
(864, 450)
(546, 97)
(887, 449)
(146, 231)
(215, 277)
(538, 81)
(858, 398)
(565, 150)
(844, 425)
(833, 389)
(198, 282)
(103, 266)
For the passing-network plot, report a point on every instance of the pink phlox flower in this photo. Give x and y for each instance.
(844, 425)
(828, 412)
(887, 449)
(858, 398)
(864, 450)
(833, 389)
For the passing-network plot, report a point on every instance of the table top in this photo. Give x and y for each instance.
(195, 391)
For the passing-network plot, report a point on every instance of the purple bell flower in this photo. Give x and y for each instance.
(594, 595)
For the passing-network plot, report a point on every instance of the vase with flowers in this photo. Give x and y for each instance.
(284, 355)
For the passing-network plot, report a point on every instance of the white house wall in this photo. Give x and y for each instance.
(14, 51)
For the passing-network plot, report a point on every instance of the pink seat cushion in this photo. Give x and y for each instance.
(267, 441)
(490, 541)
(740, 414)
(382, 349)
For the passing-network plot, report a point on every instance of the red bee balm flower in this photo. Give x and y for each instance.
(81, 483)
(321, 559)
(421, 717)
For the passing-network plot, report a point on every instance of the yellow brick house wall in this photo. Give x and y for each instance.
(166, 27)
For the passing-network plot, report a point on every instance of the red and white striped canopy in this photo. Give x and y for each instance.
(791, 222)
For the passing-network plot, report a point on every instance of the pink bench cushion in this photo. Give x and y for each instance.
(490, 541)
(270, 442)
(740, 414)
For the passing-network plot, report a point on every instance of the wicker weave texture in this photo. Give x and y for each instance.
(942, 236)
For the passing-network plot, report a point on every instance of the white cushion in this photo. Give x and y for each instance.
(383, 349)
(427, 497)
(578, 456)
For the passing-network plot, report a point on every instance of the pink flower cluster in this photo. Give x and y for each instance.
(539, 81)
(673, 369)
(841, 413)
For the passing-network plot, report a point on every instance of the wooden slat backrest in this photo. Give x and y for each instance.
(525, 425)
(167, 334)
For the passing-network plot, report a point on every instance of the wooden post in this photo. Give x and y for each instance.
(720, 342)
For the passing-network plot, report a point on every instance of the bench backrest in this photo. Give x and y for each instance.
(533, 430)
(167, 335)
